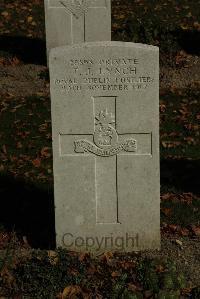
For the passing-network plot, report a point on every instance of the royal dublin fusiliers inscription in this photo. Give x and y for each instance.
(118, 74)
(105, 145)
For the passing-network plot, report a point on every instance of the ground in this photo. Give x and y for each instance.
(26, 180)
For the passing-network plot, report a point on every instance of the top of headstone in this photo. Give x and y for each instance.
(104, 44)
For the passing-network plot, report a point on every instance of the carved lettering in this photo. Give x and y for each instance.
(119, 74)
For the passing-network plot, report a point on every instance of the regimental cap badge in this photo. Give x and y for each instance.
(105, 118)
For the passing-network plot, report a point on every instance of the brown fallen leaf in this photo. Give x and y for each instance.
(184, 232)
(186, 198)
(107, 256)
(115, 274)
(160, 269)
(170, 144)
(5, 14)
(173, 227)
(15, 61)
(166, 196)
(70, 292)
(45, 152)
(162, 107)
(6, 274)
(29, 19)
(166, 211)
(190, 140)
(196, 230)
(134, 288)
(127, 265)
(197, 26)
(91, 270)
(53, 257)
(178, 242)
(83, 256)
(4, 150)
(36, 162)
(19, 144)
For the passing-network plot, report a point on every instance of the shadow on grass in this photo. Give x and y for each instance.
(182, 175)
(28, 50)
(189, 40)
(28, 210)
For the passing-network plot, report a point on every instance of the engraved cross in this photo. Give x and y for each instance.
(107, 145)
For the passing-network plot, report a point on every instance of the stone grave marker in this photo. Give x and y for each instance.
(105, 125)
(75, 21)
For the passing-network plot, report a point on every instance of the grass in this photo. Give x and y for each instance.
(26, 137)
(182, 214)
(43, 274)
(179, 127)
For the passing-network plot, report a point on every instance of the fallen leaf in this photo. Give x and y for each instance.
(115, 274)
(25, 241)
(5, 14)
(36, 162)
(15, 61)
(184, 26)
(53, 257)
(166, 196)
(15, 108)
(6, 274)
(4, 150)
(132, 287)
(160, 269)
(197, 26)
(29, 19)
(83, 256)
(148, 294)
(184, 232)
(127, 265)
(162, 107)
(196, 230)
(19, 144)
(166, 211)
(178, 242)
(173, 227)
(45, 152)
(107, 256)
(91, 270)
(71, 291)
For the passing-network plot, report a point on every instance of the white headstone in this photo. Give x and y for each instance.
(105, 122)
(75, 21)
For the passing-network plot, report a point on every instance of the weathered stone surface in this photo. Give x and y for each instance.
(105, 120)
(75, 21)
